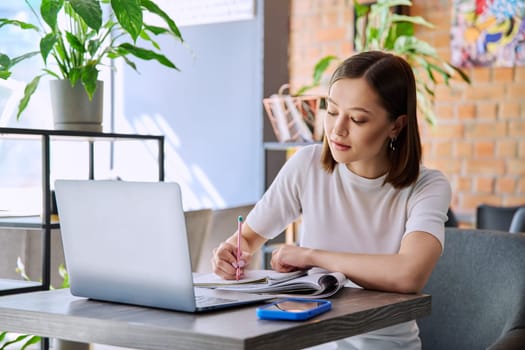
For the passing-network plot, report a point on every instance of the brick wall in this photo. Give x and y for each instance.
(479, 140)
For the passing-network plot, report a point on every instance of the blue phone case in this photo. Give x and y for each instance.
(268, 312)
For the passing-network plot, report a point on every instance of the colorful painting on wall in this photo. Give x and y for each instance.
(488, 33)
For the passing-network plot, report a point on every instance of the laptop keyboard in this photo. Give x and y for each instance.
(204, 300)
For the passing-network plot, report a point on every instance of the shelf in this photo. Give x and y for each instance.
(27, 222)
(9, 286)
(283, 146)
(70, 135)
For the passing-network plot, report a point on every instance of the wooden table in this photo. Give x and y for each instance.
(58, 314)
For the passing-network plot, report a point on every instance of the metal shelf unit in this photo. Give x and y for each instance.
(44, 221)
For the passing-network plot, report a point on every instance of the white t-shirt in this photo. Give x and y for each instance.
(344, 212)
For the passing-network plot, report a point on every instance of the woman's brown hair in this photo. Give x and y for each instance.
(391, 77)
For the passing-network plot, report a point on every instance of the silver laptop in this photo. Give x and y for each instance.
(126, 242)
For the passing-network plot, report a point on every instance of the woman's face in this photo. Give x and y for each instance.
(357, 128)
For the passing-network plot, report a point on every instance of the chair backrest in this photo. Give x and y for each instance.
(477, 288)
(223, 225)
(518, 221)
(489, 217)
(452, 220)
(198, 223)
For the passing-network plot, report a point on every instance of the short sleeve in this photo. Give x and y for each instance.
(281, 204)
(428, 205)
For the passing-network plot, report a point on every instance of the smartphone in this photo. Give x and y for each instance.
(293, 309)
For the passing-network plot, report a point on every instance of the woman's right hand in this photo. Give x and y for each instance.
(224, 261)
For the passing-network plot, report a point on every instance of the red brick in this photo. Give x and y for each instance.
(521, 149)
(479, 75)
(443, 149)
(471, 201)
(516, 166)
(485, 167)
(484, 92)
(521, 186)
(464, 184)
(506, 148)
(484, 149)
(466, 111)
(448, 131)
(463, 149)
(484, 185)
(519, 73)
(506, 185)
(515, 91)
(487, 110)
(487, 130)
(444, 111)
(514, 200)
(509, 110)
(517, 128)
(502, 74)
(331, 34)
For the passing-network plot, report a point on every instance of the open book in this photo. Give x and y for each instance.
(315, 283)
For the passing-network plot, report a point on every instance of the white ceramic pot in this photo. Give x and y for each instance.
(72, 109)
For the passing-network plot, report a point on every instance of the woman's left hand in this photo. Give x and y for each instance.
(290, 257)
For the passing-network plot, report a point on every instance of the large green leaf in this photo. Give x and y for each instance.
(152, 7)
(75, 42)
(129, 15)
(90, 11)
(31, 341)
(49, 10)
(321, 66)
(46, 45)
(89, 78)
(28, 92)
(144, 54)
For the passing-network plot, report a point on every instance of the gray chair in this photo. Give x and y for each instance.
(490, 217)
(197, 227)
(478, 293)
(518, 221)
(223, 225)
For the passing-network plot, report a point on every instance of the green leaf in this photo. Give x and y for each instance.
(321, 66)
(89, 78)
(412, 19)
(20, 24)
(129, 15)
(5, 61)
(144, 54)
(155, 30)
(90, 11)
(2, 336)
(49, 10)
(360, 10)
(75, 42)
(46, 45)
(461, 73)
(23, 57)
(93, 46)
(28, 92)
(14, 341)
(33, 340)
(145, 36)
(4, 74)
(75, 75)
(153, 8)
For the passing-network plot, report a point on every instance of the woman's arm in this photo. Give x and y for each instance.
(224, 260)
(404, 272)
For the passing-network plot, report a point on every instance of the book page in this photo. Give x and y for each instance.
(257, 277)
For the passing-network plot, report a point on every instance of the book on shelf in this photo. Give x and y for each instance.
(313, 283)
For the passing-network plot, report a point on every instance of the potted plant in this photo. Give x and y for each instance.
(380, 27)
(77, 38)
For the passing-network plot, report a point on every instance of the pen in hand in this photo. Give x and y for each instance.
(239, 232)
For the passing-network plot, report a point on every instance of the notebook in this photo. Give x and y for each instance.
(126, 242)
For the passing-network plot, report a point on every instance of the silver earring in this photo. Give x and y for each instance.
(391, 145)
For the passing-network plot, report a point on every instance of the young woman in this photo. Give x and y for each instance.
(369, 209)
